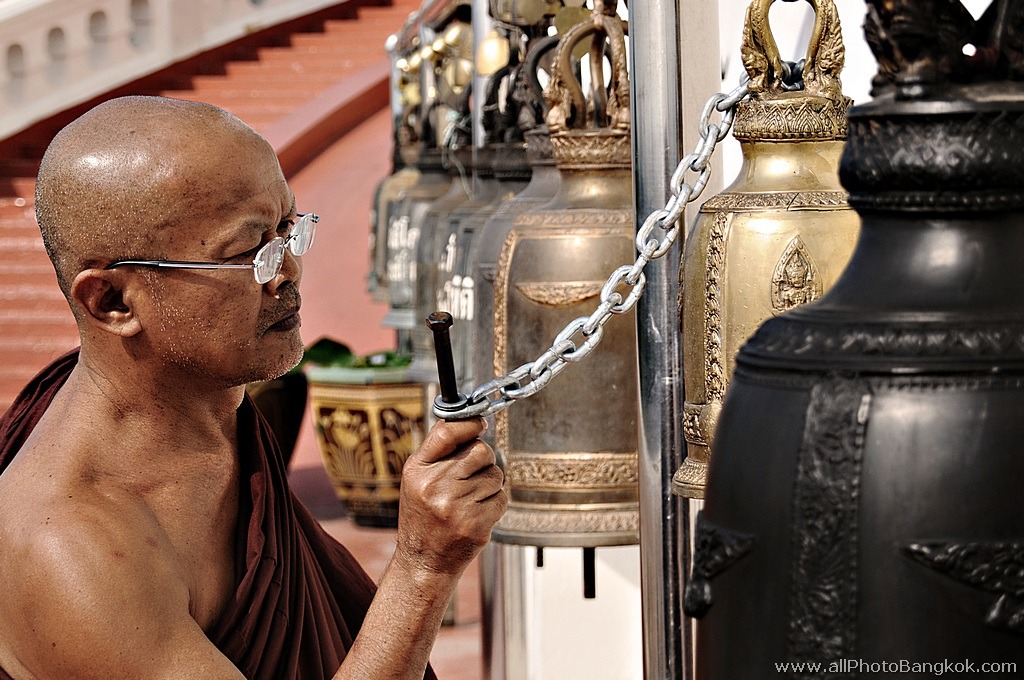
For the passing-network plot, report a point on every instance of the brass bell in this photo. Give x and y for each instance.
(431, 223)
(570, 450)
(780, 236)
(405, 217)
(413, 222)
(544, 183)
(401, 241)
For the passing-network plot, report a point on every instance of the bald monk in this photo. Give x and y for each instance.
(146, 525)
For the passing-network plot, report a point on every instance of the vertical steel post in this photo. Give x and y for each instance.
(675, 67)
(482, 25)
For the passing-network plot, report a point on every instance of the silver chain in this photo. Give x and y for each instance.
(533, 376)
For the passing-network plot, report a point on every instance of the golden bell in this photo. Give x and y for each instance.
(571, 450)
(779, 236)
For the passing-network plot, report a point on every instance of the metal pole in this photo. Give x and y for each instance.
(675, 68)
(482, 25)
(657, 144)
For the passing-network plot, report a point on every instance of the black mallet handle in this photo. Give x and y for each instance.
(439, 323)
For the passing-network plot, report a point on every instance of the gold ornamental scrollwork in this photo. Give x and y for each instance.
(714, 360)
(572, 470)
(787, 200)
(775, 111)
(593, 150)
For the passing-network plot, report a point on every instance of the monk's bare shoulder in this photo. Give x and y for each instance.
(89, 587)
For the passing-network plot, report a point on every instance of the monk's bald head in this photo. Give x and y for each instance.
(114, 179)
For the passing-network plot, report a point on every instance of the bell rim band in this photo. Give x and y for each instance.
(690, 479)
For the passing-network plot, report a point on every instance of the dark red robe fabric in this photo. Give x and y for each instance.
(300, 597)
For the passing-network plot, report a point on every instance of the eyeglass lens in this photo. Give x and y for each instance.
(301, 238)
(269, 259)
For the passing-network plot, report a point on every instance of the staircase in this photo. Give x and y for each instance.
(302, 85)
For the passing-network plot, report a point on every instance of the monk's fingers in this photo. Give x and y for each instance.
(485, 483)
(445, 438)
(467, 474)
(470, 459)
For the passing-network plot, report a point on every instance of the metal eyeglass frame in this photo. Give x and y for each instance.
(299, 242)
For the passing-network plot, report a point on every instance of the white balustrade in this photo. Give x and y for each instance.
(58, 53)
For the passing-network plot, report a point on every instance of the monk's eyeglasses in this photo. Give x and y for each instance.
(268, 260)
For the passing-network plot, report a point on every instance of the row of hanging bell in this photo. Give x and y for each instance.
(570, 450)
(406, 137)
(544, 183)
(443, 150)
(863, 502)
(502, 173)
(779, 236)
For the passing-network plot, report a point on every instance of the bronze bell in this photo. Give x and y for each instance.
(777, 238)
(452, 288)
(405, 219)
(863, 502)
(433, 223)
(570, 450)
(405, 216)
(544, 183)
(388, 194)
(502, 173)
(426, 204)
(405, 174)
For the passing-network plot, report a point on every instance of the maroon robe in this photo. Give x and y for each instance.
(300, 596)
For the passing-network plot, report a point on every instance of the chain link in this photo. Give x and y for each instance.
(532, 377)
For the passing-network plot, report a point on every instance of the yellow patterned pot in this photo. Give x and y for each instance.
(366, 432)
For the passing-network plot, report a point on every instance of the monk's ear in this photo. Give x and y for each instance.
(105, 299)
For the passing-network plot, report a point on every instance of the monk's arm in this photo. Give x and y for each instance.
(83, 601)
(451, 496)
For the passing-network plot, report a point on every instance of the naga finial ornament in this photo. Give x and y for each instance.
(793, 101)
(820, 68)
(569, 108)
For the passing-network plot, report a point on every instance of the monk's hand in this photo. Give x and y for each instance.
(450, 498)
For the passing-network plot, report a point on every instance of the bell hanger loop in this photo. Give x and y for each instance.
(818, 74)
(569, 109)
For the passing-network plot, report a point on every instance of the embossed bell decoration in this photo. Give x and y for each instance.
(777, 238)
(570, 450)
(863, 501)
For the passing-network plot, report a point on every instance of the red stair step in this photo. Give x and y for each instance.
(298, 67)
